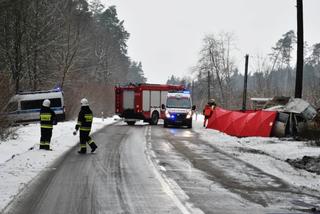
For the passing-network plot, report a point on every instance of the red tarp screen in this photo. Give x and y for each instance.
(242, 124)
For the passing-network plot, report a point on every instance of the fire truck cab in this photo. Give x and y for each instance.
(142, 102)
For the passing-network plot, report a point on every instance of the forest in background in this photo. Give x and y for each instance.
(81, 46)
(77, 45)
(269, 76)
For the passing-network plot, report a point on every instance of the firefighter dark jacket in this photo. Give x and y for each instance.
(47, 118)
(84, 119)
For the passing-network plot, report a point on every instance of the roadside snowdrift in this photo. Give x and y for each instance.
(21, 160)
(268, 154)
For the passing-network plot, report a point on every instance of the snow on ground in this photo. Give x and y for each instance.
(21, 160)
(267, 153)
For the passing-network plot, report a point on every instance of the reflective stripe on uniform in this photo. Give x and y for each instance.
(85, 129)
(46, 126)
(45, 117)
(83, 146)
(90, 141)
(88, 117)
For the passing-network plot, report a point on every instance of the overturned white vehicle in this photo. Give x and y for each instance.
(296, 117)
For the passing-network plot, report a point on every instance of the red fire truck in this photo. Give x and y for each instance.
(142, 102)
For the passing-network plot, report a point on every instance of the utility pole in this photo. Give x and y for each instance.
(244, 98)
(299, 71)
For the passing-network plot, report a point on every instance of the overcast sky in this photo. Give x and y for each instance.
(166, 35)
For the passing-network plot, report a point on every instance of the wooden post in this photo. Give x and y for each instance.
(299, 71)
(244, 98)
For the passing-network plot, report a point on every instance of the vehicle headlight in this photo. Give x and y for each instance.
(167, 114)
(189, 115)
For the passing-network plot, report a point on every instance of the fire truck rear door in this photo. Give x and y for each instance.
(128, 99)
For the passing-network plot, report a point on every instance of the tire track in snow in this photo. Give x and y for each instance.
(166, 183)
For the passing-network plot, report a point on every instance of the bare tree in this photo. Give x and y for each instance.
(12, 39)
(216, 57)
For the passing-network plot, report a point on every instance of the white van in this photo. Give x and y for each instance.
(25, 106)
(178, 109)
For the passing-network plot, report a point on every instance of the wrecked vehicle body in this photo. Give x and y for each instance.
(279, 117)
(295, 118)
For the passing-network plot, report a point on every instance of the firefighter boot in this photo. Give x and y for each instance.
(83, 149)
(93, 146)
(47, 147)
(42, 144)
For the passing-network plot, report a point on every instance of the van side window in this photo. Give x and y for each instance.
(31, 104)
(36, 104)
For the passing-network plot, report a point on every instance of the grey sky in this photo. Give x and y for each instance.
(166, 35)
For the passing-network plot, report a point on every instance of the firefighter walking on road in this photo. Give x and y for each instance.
(47, 120)
(208, 110)
(84, 124)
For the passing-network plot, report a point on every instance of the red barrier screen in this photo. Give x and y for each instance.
(242, 124)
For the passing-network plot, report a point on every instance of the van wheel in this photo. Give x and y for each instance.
(131, 123)
(190, 125)
(154, 118)
(165, 125)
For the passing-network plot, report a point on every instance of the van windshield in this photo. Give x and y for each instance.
(36, 104)
(173, 102)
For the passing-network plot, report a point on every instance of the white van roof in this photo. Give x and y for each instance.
(37, 95)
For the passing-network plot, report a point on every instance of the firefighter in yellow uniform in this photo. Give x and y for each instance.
(47, 120)
(84, 124)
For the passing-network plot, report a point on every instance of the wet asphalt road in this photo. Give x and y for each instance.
(218, 182)
(149, 169)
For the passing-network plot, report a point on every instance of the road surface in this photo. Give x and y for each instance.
(149, 169)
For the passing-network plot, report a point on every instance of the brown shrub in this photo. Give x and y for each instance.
(100, 97)
(5, 94)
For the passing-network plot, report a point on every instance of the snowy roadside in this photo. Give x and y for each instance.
(266, 153)
(21, 160)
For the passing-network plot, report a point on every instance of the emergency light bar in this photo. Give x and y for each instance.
(182, 92)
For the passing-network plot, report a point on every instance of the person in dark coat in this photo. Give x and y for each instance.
(47, 119)
(84, 124)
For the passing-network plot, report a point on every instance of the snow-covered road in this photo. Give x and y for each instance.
(199, 170)
(21, 160)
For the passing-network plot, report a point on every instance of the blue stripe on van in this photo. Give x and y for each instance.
(35, 110)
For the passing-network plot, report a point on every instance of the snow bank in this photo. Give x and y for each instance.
(21, 160)
(266, 153)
